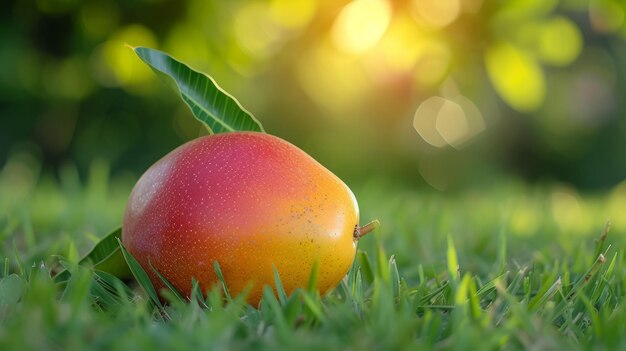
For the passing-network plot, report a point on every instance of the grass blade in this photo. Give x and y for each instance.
(312, 285)
(280, 290)
(141, 276)
(453, 261)
(274, 310)
(167, 283)
(366, 267)
(5, 270)
(220, 276)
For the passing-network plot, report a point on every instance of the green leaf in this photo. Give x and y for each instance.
(211, 105)
(140, 275)
(105, 256)
(11, 288)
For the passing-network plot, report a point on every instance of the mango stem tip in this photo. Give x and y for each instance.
(360, 232)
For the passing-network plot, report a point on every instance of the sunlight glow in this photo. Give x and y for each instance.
(516, 76)
(451, 122)
(437, 13)
(560, 41)
(524, 216)
(401, 45)
(454, 121)
(292, 14)
(567, 210)
(361, 24)
(333, 81)
(117, 65)
(425, 121)
(471, 6)
(255, 30)
(432, 64)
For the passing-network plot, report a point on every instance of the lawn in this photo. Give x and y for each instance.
(509, 266)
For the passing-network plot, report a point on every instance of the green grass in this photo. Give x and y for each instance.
(511, 266)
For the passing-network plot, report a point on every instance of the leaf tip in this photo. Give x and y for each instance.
(134, 48)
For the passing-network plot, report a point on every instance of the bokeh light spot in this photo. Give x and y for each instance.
(513, 12)
(560, 41)
(98, 18)
(474, 120)
(66, 78)
(567, 210)
(525, 215)
(448, 121)
(117, 65)
(187, 43)
(255, 30)
(451, 122)
(361, 24)
(433, 64)
(332, 81)
(425, 121)
(437, 13)
(401, 45)
(292, 14)
(471, 6)
(516, 76)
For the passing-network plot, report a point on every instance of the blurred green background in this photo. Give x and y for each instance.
(443, 94)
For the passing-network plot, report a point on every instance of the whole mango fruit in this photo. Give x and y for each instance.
(250, 201)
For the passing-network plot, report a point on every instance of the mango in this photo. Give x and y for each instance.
(250, 201)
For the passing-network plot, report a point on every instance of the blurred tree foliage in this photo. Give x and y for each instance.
(428, 91)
